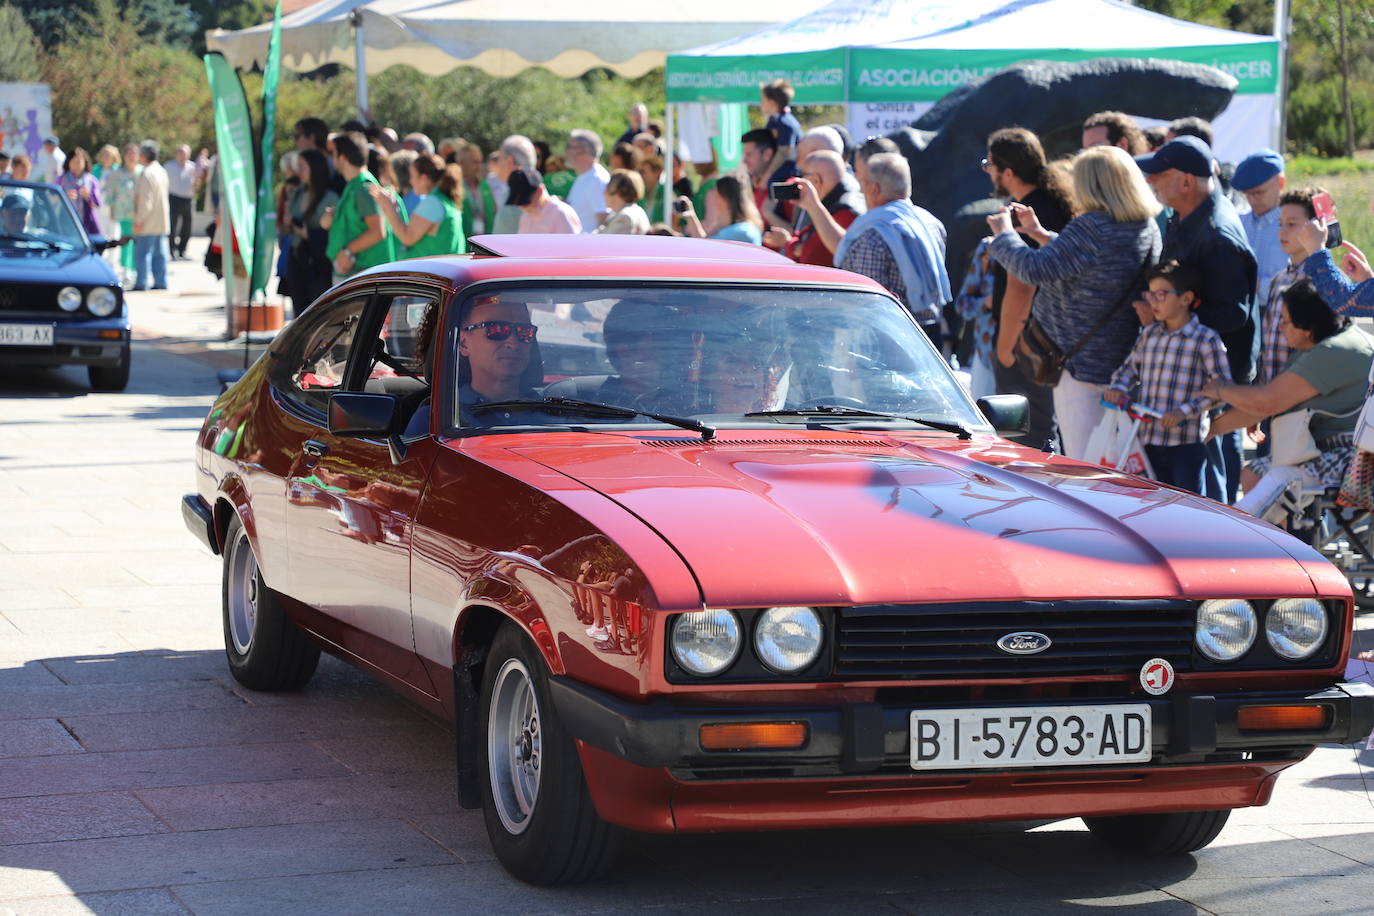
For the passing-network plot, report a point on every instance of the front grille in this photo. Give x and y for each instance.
(28, 297)
(959, 641)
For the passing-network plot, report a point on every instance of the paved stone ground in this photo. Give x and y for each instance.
(135, 777)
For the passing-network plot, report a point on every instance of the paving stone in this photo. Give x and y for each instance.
(1355, 843)
(78, 645)
(1304, 896)
(422, 748)
(153, 902)
(35, 738)
(74, 817)
(23, 599)
(136, 594)
(125, 863)
(140, 667)
(59, 700)
(29, 776)
(432, 797)
(233, 725)
(1330, 761)
(14, 674)
(30, 572)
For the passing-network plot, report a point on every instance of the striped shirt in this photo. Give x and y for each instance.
(1170, 366)
(1273, 345)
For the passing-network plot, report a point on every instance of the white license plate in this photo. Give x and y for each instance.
(25, 335)
(1020, 736)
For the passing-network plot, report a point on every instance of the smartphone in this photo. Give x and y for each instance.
(784, 190)
(680, 206)
(1325, 209)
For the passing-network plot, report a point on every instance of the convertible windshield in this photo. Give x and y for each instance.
(727, 356)
(37, 218)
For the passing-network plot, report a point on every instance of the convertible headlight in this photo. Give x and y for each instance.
(101, 301)
(705, 643)
(788, 639)
(69, 298)
(1295, 627)
(1225, 628)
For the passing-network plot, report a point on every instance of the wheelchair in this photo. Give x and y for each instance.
(1342, 534)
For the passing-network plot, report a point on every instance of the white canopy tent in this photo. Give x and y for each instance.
(890, 60)
(497, 36)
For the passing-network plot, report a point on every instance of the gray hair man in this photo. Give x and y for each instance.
(151, 219)
(817, 139)
(830, 201)
(419, 143)
(515, 152)
(898, 244)
(587, 196)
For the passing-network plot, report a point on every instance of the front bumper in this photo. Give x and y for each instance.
(871, 738)
(75, 343)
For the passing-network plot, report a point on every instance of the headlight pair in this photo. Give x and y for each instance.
(785, 640)
(100, 300)
(1295, 628)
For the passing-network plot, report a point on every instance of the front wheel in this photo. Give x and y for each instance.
(1159, 834)
(266, 651)
(111, 378)
(539, 814)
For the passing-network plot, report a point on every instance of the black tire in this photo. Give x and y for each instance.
(1159, 834)
(111, 378)
(265, 649)
(553, 835)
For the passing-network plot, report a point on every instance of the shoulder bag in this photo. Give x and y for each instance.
(1043, 356)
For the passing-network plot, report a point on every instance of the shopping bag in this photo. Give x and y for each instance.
(1115, 441)
(1357, 487)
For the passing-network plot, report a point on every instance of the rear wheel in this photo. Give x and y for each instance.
(111, 378)
(1159, 834)
(539, 814)
(266, 651)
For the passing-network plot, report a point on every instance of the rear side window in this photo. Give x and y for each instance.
(313, 365)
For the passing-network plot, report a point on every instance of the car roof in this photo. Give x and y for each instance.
(620, 246)
(615, 258)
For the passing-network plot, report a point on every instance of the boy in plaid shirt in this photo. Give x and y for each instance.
(1173, 357)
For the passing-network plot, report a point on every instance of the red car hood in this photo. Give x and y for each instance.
(870, 519)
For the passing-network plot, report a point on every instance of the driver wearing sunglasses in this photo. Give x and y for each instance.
(496, 339)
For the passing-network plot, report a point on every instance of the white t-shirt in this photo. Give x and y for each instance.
(588, 195)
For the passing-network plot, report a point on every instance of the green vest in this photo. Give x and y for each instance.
(448, 239)
(349, 224)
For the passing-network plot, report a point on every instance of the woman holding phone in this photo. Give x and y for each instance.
(1349, 293)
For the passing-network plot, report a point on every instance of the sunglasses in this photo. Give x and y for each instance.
(500, 330)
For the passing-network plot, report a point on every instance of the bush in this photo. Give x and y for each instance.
(1316, 121)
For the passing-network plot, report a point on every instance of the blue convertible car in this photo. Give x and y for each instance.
(60, 303)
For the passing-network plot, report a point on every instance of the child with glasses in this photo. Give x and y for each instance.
(1172, 358)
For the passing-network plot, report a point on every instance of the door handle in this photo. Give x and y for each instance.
(316, 448)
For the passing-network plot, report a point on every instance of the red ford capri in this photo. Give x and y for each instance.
(686, 537)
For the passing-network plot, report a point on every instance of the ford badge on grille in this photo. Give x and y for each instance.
(1024, 643)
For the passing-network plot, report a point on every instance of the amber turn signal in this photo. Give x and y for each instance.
(750, 736)
(112, 334)
(1281, 718)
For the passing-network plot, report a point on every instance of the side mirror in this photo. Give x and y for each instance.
(368, 416)
(1009, 414)
(362, 416)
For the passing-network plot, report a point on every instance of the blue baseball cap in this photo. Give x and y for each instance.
(1187, 154)
(1257, 168)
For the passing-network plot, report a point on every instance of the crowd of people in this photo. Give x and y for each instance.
(1135, 270)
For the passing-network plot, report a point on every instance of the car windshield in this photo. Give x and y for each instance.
(36, 218)
(741, 356)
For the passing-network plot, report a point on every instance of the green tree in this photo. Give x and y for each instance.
(110, 85)
(162, 21)
(18, 48)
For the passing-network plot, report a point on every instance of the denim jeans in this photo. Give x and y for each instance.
(150, 248)
(1182, 466)
(1223, 467)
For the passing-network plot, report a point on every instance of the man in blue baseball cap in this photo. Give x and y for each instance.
(1206, 233)
(1260, 178)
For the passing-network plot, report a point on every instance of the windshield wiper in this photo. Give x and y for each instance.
(839, 410)
(20, 237)
(596, 407)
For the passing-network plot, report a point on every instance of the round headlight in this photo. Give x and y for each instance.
(101, 301)
(69, 298)
(1295, 627)
(788, 639)
(705, 643)
(1225, 628)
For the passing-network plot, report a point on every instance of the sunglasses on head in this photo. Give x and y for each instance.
(500, 330)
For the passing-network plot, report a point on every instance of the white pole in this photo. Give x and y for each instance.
(360, 63)
(668, 152)
(225, 230)
(1282, 20)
